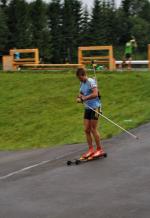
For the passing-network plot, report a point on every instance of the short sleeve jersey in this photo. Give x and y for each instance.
(128, 48)
(86, 89)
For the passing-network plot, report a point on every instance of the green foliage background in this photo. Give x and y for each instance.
(58, 28)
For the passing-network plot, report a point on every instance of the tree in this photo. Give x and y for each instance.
(96, 24)
(126, 5)
(124, 23)
(59, 27)
(18, 24)
(41, 37)
(84, 34)
(71, 27)
(55, 25)
(134, 7)
(132, 11)
(142, 37)
(144, 12)
(3, 3)
(3, 30)
(108, 28)
(102, 23)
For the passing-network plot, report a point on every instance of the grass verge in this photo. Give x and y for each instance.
(39, 110)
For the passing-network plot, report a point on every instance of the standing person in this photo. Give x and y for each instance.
(1, 55)
(89, 95)
(16, 54)
(129, 46)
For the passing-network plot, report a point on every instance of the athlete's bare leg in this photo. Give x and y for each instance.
(87, 129)
(95, 132)
(129, 64)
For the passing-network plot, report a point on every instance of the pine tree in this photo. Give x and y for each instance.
(3, 3)
(134, 7)
(55, 25)
(135, 16)
(124, 24)
(144, 13)
(142, 37)
(78, 13)
(96, 24)
(71, 17)
(3, 30)
(18, 24)
(108, 15)
(126, 6)
(41, 37)
(103, 23)
(84, 35)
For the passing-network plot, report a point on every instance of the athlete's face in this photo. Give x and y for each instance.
(82, 78)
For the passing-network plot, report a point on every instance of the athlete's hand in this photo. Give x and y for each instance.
(79, 100)
(84, 98)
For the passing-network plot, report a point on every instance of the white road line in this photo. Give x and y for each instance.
(35, 165)
(23, 170)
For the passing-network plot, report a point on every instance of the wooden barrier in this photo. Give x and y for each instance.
(21, 61)
(7, 63)
(52, 66)
(12, 63)
(149, 56)
(107, 59)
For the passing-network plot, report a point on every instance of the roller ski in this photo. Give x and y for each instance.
(90, 155)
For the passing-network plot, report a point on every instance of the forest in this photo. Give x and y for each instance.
(58, 27)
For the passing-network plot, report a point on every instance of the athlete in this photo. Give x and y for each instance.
(129, 46)
(89, 95)
(16, 54)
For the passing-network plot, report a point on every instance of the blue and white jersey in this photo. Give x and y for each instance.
(17, 55)
(86, 89)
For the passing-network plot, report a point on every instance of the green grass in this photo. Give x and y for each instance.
(39, 110)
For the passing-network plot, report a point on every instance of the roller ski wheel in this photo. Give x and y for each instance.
(77, 162)
(105, 155)
(69, 163)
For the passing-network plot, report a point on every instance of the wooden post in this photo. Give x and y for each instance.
(149, 56)
(7, 63)
(79, 56)
(22, 61)
(109, 59)
(36, 56)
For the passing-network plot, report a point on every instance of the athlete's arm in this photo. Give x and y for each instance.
(94, 94)
(79, 98)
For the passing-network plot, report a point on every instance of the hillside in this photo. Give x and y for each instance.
(39, 110)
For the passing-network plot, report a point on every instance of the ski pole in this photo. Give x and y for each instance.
(94, 69)
(129, 133)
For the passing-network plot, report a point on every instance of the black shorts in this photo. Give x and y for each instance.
(128, 55)
(92, 115)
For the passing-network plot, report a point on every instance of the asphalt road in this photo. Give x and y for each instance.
(38, 184)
